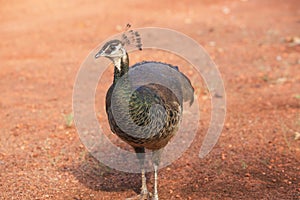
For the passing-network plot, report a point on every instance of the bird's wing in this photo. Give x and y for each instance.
(164, 74)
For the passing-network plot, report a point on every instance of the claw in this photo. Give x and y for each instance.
(155, 197)
(142, 196)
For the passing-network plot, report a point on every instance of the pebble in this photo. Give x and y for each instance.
(294, 41)
(212, 43)
(225, 10)
(223, 156)
(297, 136)
(220, 50)
(187, 20)
(278, 58)
(119, 28)
(227, 125)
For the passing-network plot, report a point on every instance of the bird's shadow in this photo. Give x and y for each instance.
(96, 176)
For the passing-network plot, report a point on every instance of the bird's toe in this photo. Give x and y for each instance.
(142, 196)
(155, 197)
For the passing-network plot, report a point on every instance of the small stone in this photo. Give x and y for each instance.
(278, 58)
(297, 136)
(75, 181)
(281, 80)
(119, 28)
(223, 156)
(187, 20)
(34, 155)
(212, 43)
(220, 50)
(227, 125)
(205, 97)
(225, 10)
(293, 41)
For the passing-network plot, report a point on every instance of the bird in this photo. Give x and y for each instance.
(151, 113)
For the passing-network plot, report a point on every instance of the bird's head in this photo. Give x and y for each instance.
(113, 49)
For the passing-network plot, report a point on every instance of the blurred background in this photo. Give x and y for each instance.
(256, 45)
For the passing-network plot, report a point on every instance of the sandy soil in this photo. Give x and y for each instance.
(256, 47)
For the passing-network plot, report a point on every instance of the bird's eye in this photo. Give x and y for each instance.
(112, 48)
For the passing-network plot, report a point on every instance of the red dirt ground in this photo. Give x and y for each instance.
(255, 44)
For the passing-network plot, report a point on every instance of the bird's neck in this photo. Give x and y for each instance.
(121, 67)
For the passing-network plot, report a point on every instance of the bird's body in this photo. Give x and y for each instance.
(145, 115)
(140, 103)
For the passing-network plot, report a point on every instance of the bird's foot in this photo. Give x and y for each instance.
(155, 197)
(143, 196)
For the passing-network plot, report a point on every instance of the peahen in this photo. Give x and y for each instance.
(161, 123)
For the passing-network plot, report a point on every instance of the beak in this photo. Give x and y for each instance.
(100, 53)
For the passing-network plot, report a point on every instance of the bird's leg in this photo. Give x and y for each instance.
(144, 189)
(145, 195)
(140, 152)
(155, 196)
(156, 160)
